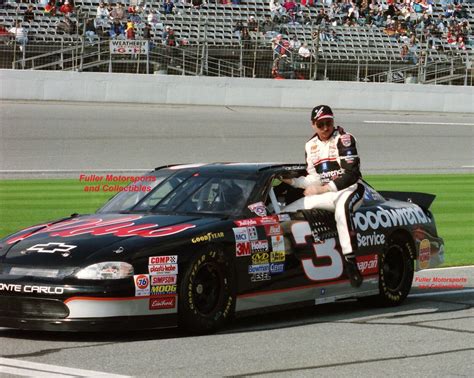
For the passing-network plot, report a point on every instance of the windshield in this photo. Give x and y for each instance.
(185, 193)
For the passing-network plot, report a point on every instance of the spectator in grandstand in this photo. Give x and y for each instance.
(246, 39)
(50, 8)
(295, 44)
(236, 2)
(5, 36)
(252, 24)
(276, 10)
(168, 6)
(153, 17)
(66, 25)
(134, 14)
(196, 3)
(322, 16)
(90, 30)
(29, 14)
(66, 8)
(304, 52)
(130, 31)
(285, 68)
(277, 45)
(147, 35)
(117, 30)
(118, 13)
(239, 26)
(169, 38)
(102, 15)
(20, 34)
(267, 25)
(404, 52)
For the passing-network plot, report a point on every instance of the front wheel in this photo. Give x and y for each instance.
(207, 292)
(396, 270)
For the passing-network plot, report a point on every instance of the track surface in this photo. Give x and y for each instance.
(431, 334)
(65, 136)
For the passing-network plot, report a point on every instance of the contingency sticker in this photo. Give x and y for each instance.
(142, 285)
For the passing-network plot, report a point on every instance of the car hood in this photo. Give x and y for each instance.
(70, 242)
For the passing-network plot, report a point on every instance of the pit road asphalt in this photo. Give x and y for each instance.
(430, 335)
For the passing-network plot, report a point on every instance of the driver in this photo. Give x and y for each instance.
(333, 181)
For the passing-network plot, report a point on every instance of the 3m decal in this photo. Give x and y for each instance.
(301, 231)
(242, 249)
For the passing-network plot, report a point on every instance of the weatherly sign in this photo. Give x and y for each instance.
(120, 47)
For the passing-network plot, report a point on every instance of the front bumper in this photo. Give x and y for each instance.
(91, 324)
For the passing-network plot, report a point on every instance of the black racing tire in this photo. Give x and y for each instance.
(396, 270)
(207, 292)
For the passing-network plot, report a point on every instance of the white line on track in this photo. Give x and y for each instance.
(35, 369)
(442, 293)
(448, 268)
(421, 123)
(467, 166)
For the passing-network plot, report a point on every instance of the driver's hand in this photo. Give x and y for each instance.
(288, 181)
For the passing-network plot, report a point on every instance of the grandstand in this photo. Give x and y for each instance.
(209, 40)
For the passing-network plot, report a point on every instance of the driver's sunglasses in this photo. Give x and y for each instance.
(324, 123)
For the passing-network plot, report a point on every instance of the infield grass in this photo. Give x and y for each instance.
(27, 202)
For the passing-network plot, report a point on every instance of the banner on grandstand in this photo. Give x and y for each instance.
(119, 47)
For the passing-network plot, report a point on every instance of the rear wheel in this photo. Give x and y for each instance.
(207, 292)
(396, 270)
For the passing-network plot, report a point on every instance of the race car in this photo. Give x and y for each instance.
(202, 243)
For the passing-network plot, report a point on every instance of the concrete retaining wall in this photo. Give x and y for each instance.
(163, 89)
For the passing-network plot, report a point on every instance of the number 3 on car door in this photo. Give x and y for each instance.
(332, 271)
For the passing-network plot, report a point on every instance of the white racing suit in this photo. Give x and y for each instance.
(333, 162)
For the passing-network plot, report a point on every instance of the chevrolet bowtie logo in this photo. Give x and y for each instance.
(62, 248)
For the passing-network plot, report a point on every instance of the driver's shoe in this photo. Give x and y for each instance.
(352, 270)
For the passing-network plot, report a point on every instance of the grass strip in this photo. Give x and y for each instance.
(27, 202)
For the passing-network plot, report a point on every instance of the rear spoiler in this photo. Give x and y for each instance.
(423, 200)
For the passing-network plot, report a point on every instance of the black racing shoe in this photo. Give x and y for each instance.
(353, 271)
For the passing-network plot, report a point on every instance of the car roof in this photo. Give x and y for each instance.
(235, 167)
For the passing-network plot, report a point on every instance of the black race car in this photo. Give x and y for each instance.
(201, 243)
